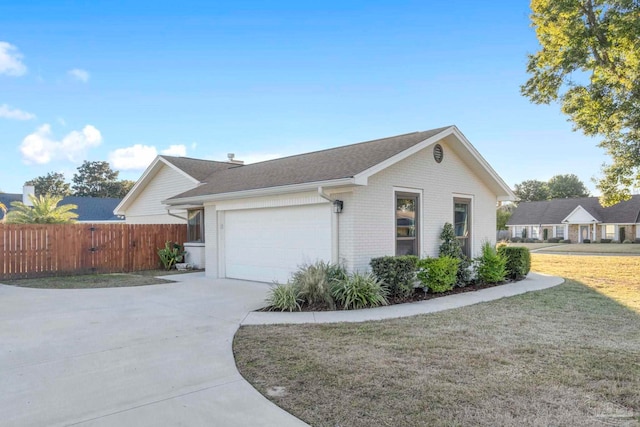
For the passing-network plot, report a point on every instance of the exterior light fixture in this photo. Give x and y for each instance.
(337, 206)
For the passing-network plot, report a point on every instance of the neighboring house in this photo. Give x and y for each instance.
(90, 209)
(576, 220)
(347, 204)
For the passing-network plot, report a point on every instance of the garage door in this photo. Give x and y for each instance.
(267, 245)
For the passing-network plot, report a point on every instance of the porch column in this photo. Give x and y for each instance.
(593, 238)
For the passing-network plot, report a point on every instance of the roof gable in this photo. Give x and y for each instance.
(196, 170)
(579, 216)
(350, 164)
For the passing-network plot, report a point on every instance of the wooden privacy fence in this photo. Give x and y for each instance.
(37, 250)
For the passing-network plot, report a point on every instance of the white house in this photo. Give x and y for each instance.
(578, 220)
(346, 204)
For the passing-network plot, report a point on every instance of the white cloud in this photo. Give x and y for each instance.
(137, 156)
(40, 147)
(79, 74)
(7, 112)
(176, 150)
(11, 60)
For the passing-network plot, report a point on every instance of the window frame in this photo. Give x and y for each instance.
(200, 225)
(400, 193)
(467, 249)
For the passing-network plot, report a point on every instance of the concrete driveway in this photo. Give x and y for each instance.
(143, 356)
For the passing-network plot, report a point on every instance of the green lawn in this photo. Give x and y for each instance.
(568, 355)
(591, 248)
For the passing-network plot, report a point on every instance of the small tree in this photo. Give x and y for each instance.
(450, 247)
(45, 210)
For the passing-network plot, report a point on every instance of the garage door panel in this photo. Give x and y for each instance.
(269, 244)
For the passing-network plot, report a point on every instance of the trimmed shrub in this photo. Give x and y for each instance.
(553, 240)
(518, 261)
(284, 298)
(438, 274)
(515, 239)
(565, 241)
(359, 291)
(627, 241)
(397, 273)
(491, 265)
(605, 240)
(313, 282)
(586, 240)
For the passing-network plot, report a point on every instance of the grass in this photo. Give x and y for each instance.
(569, 355)
(87, 281)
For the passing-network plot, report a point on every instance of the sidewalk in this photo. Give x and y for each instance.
(533, 282)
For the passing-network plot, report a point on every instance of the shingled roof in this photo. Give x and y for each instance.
(197, 168)
(331, 164)
(89, 208)
(556, 210)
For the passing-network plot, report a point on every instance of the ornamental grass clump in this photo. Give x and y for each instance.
(359, 291)
(284, 298)
(314, 282)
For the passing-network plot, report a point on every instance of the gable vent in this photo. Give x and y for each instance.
(438, 153)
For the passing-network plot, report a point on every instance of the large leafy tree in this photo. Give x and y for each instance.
(566, 187)
(45, 210)
(96, 179)
(52, 184)
(503, 213)
(589, 62)
(531, 190)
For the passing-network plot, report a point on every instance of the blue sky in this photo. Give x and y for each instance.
(122, 81)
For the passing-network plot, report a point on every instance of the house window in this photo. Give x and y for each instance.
(610, 231)
(195, 226)
(559, 230)
(535, 232)
(407, 224)
(462, 223)
(519, 230)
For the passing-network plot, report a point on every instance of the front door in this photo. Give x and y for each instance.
(584, 232)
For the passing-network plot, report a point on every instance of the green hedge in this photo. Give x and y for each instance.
(397, 273)
(438, 274)
(518, 261)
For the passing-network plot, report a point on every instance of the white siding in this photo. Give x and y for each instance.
(147, 208)
(367, 226)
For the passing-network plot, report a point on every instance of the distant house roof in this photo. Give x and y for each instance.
(556, 210)
(89, 208)
(332, 165)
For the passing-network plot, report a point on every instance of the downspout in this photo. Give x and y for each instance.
(335, 228)
(176, 216)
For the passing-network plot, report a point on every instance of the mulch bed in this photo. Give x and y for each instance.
(418, 295)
